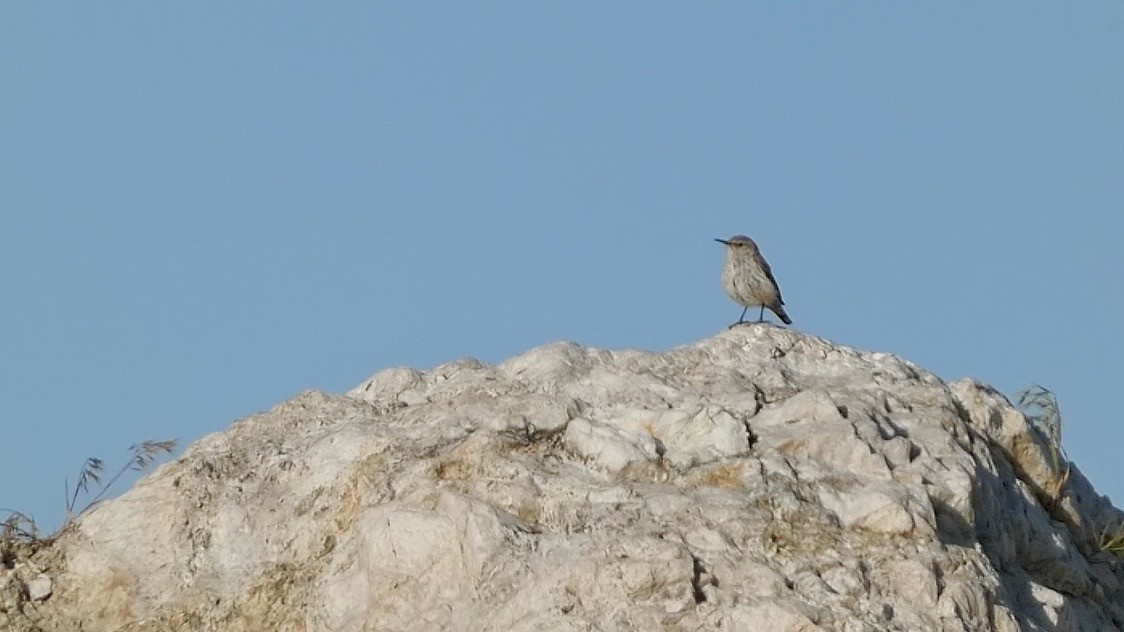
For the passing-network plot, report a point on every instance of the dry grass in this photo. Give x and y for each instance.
(20, 527)
(142, 456)
(1112, 541)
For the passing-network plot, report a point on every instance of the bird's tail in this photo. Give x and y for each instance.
(778, 309)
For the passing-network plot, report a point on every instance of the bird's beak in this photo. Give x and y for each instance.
(722, 241)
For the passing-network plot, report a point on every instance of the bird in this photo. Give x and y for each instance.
(749, 281)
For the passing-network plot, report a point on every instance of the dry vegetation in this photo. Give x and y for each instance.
(18, 527)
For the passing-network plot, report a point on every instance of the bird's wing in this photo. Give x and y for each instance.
(769, 273)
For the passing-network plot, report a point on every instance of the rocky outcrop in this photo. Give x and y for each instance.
(762, 479)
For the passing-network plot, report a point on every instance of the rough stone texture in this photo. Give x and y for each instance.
(39, 588)
(760, 479)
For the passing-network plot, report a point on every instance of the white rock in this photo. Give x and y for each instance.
(39, 588)
(909, 579)
(845, 581)
(611, 447)
(771, 615)
(760, 479)
(881, 507)
(897, 451)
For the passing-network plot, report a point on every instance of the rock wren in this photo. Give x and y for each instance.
(748, 279)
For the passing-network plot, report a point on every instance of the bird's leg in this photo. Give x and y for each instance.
(741, 319)
(761, 316)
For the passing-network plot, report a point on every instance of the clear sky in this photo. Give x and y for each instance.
(206, 208)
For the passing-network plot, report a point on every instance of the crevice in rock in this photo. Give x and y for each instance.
(750, 437)
(759, 398)
(938, 573)
(896, 429)
(698, 569)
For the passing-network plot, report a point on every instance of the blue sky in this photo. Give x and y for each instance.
(206, 208)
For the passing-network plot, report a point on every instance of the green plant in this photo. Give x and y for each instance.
(1040, 406)
(1113, 541)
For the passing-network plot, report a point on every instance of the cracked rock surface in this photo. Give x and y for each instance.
(762, 479)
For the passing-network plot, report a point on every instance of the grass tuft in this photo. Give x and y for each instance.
(142, 456)
(1041, 408)
(20, 527)
(1113, 541)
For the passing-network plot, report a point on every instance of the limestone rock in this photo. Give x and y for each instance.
(759, 479)
(39, 588)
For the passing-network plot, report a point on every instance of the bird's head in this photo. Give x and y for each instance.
(739, 244)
